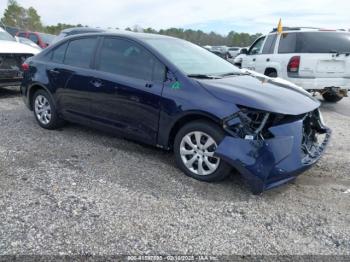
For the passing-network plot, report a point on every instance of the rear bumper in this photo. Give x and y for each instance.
(320, 83)
(266, 164)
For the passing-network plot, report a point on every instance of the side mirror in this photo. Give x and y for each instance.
(244, 51)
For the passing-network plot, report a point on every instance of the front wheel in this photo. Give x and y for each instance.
(332, 97)
(194, 149)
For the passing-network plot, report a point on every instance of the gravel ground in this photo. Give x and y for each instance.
(79, 191)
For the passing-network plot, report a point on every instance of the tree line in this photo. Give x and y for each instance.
(28, 19)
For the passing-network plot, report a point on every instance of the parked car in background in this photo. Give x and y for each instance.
(317, 60)
(12, 55)
(223, 55)
(221, 51)
(75, 31)
(41, 39)
(27, 41)
(175, 95)
(233, 53)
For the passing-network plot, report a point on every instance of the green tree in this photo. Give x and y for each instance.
(17, 16)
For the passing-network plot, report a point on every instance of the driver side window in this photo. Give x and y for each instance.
(256, 47)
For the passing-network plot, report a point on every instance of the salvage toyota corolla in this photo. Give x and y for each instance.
(175, 95)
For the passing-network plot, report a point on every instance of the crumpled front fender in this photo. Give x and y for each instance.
(267, 163)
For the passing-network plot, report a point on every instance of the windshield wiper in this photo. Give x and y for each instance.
(233, 74)
(204, 76)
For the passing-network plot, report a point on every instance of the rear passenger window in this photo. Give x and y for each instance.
(269, 46)
(287, 43)
(80, 52)
(129, 59)
(58, 53)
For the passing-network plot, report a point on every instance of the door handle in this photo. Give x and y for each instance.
(254, 59)
(96, 83)
(268, 60)
(149, 85)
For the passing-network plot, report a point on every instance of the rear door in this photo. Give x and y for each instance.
(74, 98)
(323, 54)
(56, 71)
(127, 89)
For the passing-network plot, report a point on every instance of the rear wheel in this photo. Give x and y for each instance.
(45, 111)
(332, 97)
(194, 149)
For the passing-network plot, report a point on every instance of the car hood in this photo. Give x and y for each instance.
(263, 93)
(12, 47)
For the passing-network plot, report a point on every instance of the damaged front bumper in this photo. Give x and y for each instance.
(268, 163)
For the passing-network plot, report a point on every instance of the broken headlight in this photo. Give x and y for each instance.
(248, 124)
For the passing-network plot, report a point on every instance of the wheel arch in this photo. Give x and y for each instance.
(269, 70)
(31, 91)
(187, 118)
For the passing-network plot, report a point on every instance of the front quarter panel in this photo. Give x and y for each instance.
(182, 97)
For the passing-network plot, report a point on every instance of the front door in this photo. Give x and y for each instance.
(250, 60)
(127, 89)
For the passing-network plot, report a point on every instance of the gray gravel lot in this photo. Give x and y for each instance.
(79, 191)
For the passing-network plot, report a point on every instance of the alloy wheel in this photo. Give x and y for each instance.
(197, 153)
(42, 109)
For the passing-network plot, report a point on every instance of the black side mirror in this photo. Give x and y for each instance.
(244, 51)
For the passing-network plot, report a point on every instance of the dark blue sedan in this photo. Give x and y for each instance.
(178, 96)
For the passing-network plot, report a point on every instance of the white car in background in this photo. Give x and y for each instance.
(233, 53)
(12, 55)
(315, 59)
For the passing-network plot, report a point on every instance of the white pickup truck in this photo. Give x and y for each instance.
(12, 55)
(315, 59)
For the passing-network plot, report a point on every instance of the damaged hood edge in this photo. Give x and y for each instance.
(262, 93)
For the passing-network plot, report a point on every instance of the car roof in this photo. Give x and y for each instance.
(124, 33)
(82, 29)
(307, 29)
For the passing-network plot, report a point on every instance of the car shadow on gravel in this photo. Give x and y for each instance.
(160, 176)
(9, 92)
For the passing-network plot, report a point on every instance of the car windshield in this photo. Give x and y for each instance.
(6, 36)
(47, 38)
(190, 58)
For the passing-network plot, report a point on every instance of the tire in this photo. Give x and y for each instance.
(45, 111)
(183, 152)
(332, 97)
(272, 74)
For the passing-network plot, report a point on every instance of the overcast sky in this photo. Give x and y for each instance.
(220, 16)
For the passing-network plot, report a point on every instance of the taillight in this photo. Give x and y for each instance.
(25, 67)
(293, 65)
